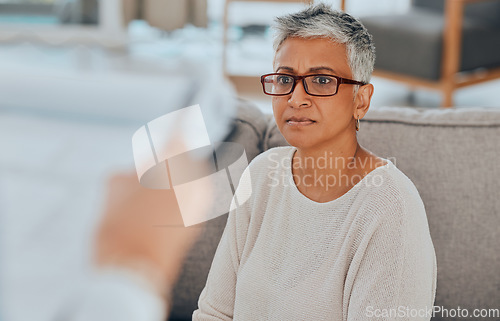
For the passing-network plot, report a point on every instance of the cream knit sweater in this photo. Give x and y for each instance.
(366, 255)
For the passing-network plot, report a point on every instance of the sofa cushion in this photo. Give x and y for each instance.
(411, 43)
(452, 156)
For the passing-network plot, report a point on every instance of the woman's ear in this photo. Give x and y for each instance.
(362, 100)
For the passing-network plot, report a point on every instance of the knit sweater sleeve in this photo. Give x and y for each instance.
(392, 275)
(216, 301)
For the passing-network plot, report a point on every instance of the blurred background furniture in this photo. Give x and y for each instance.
(63, 22)
(166, 15)
(439, 150)
(439, 44)
(77, 11)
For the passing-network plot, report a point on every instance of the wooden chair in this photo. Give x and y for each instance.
(455, 44)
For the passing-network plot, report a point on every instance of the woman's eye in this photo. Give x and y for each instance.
(322, 80)
(284, 80)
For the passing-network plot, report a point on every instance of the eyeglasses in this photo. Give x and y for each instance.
(315, 85)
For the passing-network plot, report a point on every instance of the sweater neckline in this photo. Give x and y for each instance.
(340, 198)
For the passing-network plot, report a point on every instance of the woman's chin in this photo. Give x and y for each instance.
(298, 139)
(299, 143)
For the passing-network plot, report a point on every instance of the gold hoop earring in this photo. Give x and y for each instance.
(357, 124)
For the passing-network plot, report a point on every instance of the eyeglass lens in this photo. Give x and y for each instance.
(315, 84)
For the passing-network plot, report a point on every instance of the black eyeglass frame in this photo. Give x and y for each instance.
(340, 81)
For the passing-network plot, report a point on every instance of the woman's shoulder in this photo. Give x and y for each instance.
(384, 175)
(387, 187)
(398, 181)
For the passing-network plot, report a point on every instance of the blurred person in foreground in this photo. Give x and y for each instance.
(331, 231)
(140, 246)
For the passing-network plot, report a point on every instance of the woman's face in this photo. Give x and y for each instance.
(310, 122)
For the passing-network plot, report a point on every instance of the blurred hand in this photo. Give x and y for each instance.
(142, 229)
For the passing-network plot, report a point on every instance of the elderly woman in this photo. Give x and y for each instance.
(331, 231)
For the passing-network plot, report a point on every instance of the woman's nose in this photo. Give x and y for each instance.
(299, 97)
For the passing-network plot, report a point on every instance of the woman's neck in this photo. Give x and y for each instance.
(323, 175)
(328, 159)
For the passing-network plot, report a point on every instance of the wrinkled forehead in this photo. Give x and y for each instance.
(302, 54)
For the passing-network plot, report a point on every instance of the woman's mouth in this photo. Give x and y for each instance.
(302, 121)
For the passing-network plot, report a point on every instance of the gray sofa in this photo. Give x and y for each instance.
(452, 156)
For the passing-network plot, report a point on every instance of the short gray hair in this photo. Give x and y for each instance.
(321, 21)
